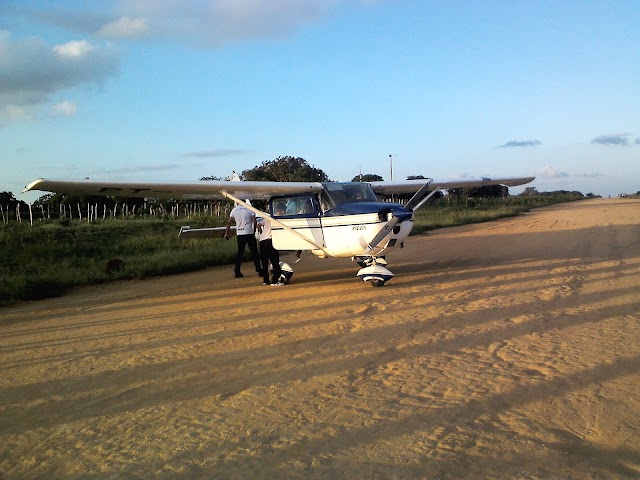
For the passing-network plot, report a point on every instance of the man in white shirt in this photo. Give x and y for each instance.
(245, 221)
(268, 254)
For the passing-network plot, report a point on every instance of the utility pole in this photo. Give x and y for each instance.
(391, 166)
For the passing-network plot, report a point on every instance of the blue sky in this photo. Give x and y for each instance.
(145, 89)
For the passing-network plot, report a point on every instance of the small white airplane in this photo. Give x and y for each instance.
(331, 219)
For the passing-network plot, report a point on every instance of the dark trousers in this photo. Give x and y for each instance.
(243, 241)
(269, 254)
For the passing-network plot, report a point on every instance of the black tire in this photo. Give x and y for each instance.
(377, 283)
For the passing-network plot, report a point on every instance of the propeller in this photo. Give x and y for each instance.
(414, 203)
(384, 231)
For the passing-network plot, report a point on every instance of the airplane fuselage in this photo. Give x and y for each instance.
(344, 236)
(344, 218)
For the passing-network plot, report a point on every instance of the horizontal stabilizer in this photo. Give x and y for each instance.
(186, 232)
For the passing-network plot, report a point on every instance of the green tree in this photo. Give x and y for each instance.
(367, 177)
(488, 191)
(285, 169)
(7, 199)
(48, 199)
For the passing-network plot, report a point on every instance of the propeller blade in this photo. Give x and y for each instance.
(386, 230)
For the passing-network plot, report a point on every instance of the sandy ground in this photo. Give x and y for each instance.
(509, 349)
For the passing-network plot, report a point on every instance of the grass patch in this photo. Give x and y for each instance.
(454, 212)
(49, 258)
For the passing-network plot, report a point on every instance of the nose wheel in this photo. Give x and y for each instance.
(375, 273)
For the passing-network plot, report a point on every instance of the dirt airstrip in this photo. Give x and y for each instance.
(509, 349)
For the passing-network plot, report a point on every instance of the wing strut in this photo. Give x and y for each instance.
(277, 222)
(421, 202)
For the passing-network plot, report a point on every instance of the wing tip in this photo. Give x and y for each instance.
(515, 182)
(33, 185)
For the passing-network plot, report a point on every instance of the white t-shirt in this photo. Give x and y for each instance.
(265, 234)
(244, 220)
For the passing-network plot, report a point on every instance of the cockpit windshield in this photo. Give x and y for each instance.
(336, 193)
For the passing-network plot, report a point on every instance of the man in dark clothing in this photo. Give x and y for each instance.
(268, 254)
(245, 221)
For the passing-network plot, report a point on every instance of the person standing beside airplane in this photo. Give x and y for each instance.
(245, 221)
(268, 254)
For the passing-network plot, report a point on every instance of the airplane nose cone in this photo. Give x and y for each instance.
(398, 212)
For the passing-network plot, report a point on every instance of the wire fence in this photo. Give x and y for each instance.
(90, 212)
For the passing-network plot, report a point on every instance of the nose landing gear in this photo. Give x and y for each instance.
(373, 270)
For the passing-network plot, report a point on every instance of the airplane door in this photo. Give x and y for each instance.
(300, 213)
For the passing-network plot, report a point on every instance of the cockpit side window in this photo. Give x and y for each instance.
(295, 206)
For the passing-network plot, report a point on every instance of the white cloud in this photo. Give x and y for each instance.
(211, 23)
(73, 49)
(124, 27)
(202, 23)
(549, 172)
(66, 108)
(12, 113)
(31, 72)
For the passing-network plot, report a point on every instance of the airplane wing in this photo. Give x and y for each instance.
(202, 190)
(217, 189)
(412, 186)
